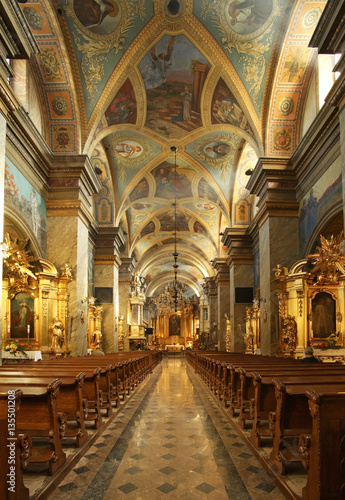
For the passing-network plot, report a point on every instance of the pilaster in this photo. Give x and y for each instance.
(274, 182)
(241, 274)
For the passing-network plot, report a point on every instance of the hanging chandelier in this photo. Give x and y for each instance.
(176, 290)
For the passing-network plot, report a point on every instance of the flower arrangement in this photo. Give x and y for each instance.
(14, 347)
(331, 342)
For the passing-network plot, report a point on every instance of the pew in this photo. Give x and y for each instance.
(264, 399)
(15, 449)
(323, 451)
(292, 418)
(39, 418)
(70, 400)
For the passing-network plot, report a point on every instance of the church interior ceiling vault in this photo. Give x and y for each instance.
(125, 81)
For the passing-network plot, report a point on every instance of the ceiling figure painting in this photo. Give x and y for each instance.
(171, 75)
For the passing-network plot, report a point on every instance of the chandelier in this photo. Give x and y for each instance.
(173, 298)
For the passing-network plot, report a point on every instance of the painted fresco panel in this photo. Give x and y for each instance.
(27, 201)
(326, 193)
(173, 73)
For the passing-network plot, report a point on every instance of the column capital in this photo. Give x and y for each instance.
(222, 271)
(274, 182)
(72, 177)
(108, 241)
(240, 244)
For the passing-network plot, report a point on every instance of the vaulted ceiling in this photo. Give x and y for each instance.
(127, 82)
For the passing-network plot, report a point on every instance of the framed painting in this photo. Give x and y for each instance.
(22, 316)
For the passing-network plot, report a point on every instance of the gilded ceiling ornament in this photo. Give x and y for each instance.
(95, 41)
(286, 106)
(329, 260)
(311, 18)
(248, 30)
(34, 18)
(60, 105)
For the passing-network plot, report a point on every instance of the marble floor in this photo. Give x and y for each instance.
(172, 439)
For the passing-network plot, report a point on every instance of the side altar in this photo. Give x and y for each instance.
(312, 302)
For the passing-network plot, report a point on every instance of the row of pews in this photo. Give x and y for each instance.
(295, 409)
(45, 404)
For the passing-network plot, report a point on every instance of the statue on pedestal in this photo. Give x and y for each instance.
(58, 337)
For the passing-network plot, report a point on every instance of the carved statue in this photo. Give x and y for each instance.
(96, 339)
(289, 332)
(249, 338)
(58, 337)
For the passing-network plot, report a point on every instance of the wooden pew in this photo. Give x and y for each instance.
(70, 400)
(249, 390)
(323, 451)
(38, 417)
(15, 449)
(264, 399)
(292, 418)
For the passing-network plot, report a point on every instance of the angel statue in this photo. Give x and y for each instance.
(155, 73)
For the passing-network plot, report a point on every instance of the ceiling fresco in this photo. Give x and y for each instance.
(127, 82)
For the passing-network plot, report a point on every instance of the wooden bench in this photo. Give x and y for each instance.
(39, 418)
(70, 400)
(292, 418)
(323, 451)
(15, 449)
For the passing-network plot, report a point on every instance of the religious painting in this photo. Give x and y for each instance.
(100, 17)
(128, 149)
(226, 110)
(141, 190)
(171, 183)
(22, 316)
(104, 211)
(217, 149)
(247, 16)
(205, 191)
(324, 315)
(28, 202)
(168, 223)
(242, 212)
(295, 64)
(174, 325)
(323, 197)
(173, 73)
(149, 228)
(123, 108)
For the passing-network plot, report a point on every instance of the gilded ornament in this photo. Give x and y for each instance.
(34, 18)
(286, 106)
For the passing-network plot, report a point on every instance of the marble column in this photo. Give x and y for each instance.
(125, 275)
(70, 223)
(240, 262)
(211, 332)
(223, 299)
(2, 195)
(107, 263)
(274, 182)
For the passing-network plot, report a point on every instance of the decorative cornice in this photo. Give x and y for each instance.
(277, 208)
(70, 208)
(109, 260)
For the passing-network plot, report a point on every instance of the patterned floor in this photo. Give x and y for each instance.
(171, 440)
